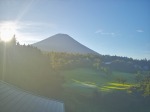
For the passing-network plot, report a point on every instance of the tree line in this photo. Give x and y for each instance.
(28, 68)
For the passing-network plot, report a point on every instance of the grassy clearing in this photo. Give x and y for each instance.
(80, 85)
(128, 76)
(85, 75)
(84, 78)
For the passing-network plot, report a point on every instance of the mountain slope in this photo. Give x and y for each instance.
(63, 43)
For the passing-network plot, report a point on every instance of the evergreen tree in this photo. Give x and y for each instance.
(13, 41)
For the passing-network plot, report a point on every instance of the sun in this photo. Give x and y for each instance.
(7, 30)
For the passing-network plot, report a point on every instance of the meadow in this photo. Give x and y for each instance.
(88, 90)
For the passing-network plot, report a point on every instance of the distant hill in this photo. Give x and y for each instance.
(63, 43)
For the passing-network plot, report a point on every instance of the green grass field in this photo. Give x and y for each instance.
(81, 83)
(84, 79)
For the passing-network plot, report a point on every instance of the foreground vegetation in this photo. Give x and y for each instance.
(87, 90)
(85, 83)
(27, 68)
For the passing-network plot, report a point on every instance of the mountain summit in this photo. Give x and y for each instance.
(63, 43)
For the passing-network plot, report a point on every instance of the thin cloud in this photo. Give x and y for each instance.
(105, 33)
(37, 25)
(140, 31)
(99, 31)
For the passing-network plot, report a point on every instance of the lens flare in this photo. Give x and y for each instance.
(7, 30)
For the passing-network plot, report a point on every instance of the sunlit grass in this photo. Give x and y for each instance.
(116, 86)
(107, 87)
(86, 84)
(113, 87)
(119, 84)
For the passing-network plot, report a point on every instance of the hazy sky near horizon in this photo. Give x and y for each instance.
(114, 27)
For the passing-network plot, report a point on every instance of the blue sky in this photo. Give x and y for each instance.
(114, 27)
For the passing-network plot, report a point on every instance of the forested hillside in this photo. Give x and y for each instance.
(125, 64)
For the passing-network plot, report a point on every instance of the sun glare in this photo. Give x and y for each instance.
(7, 30)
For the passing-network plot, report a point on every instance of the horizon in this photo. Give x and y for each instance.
(108, 27)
